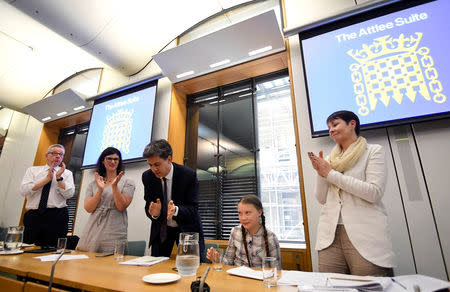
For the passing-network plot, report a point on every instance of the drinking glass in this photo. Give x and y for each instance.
(217, 259)
(61, 245)
(188, 255)
(14, 238)
(269, 269)
(119, 249)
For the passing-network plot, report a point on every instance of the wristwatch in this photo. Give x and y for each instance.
(60, 178)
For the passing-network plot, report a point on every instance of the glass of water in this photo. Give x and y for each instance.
(14, 238)
(217, 259)
(269, 269)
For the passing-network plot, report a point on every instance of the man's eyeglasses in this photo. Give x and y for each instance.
(56, 154)
(112, 159)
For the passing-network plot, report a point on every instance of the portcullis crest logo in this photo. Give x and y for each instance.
(394, 68)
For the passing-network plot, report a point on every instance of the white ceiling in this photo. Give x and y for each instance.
(42, 42)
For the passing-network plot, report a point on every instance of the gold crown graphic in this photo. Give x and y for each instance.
(386, 45)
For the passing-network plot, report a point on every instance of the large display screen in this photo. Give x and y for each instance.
(389, 66)
(121, 119)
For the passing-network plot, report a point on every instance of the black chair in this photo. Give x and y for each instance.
(3, 232)
(136, 248)
(72, 242)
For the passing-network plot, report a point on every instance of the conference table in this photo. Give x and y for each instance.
(105, 274)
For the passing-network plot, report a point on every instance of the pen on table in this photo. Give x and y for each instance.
(400, 284)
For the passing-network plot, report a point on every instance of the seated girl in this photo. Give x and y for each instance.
(250, 241)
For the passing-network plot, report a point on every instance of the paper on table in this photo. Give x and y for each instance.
(303, 278)
(310, 288)
(308, 281)
(244, 271)
(66, 257)
(425, 283)
(144, 261)
(369, 284)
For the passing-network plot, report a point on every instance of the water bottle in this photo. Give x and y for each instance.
(188, 254)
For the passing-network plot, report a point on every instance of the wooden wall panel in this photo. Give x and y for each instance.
(306, 258)
(177, 125)
(269, 64)
(291, 258)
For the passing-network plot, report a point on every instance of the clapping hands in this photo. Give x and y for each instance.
(100, 181)
(117, 179)
(155, 209)
(61, 170)
(322, 166)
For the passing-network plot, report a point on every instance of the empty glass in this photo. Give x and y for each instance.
(188, 255)
(119, 249)
(14, 238)
(61, 245)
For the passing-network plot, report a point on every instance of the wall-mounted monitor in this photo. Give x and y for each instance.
(122, 118)
(390, 65)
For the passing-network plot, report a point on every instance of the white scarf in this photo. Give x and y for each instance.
(343, 161)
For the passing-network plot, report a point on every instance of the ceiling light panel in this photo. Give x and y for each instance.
(57, 106)
(232, 43)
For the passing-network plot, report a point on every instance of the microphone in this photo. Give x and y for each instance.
(202, 282)
(200, 285)
(53, 271)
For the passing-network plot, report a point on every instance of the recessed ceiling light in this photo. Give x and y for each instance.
(78, 108)
(222, 100)
(223, 62)
(46, 119)
(61, 114)
(185, 74)
(258, 51)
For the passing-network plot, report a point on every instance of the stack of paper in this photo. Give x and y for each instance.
(144, 261)
(364, 284)
(66, 257)
(244, 271)
(327, 282)
(307, 281)
(419, 283)
(298, 278)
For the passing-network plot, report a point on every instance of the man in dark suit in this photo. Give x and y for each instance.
(171, 196)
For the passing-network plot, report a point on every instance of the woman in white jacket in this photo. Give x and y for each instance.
(352, 235)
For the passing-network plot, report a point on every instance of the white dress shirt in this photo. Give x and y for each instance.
(57, 196)
(169, 181)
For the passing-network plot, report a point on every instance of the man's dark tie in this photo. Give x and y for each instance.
(44, 197)
(163, 232)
